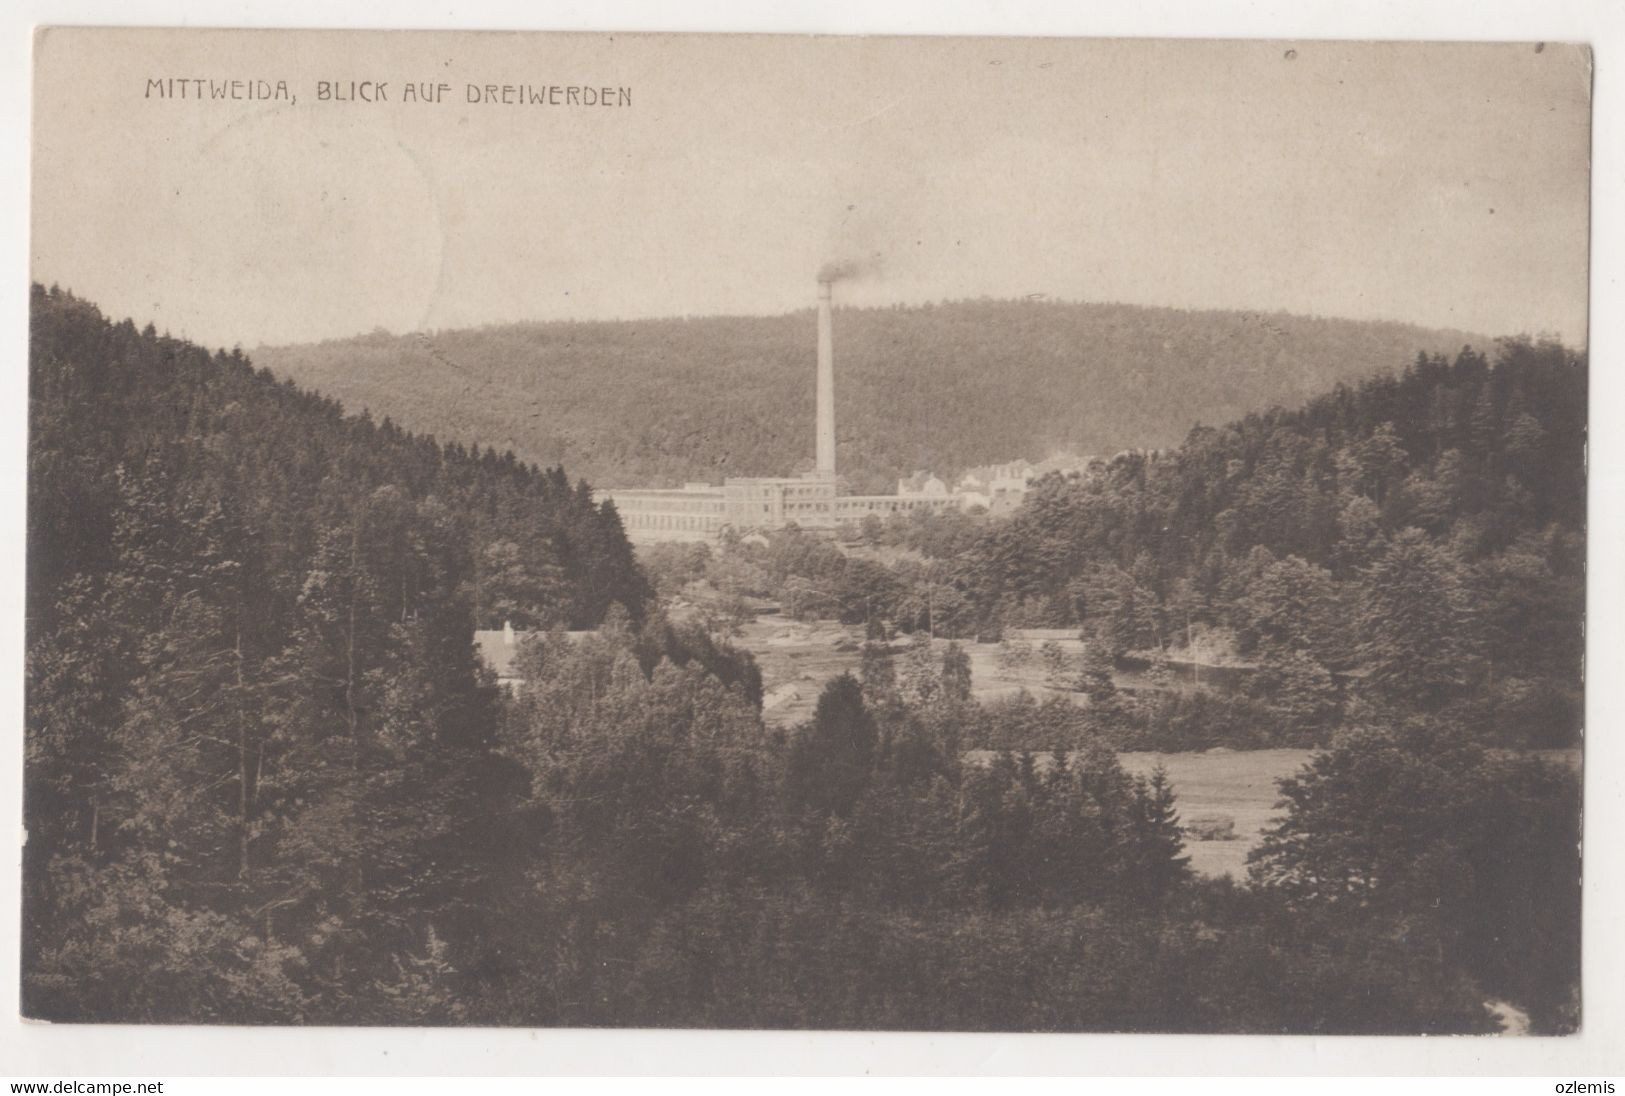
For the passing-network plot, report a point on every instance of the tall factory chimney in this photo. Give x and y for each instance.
(826, 384)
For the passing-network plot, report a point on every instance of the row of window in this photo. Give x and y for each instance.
(878, 505)
(697, 522)
(707, 517)
(635, 505)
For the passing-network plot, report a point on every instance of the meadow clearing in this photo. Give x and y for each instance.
(797, 658)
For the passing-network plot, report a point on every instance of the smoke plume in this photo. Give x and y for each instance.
(845, 270)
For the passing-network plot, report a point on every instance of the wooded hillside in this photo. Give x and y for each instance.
(266, 780)
(252, 692)
(943, 387)
(1416, 539)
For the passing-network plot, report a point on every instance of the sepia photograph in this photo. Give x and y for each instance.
(806, 532)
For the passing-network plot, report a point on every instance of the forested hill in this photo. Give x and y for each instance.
(1414, 543)
(242, 604)
(943, 387)
(266, 781)
(250, 637)
(1420, 535)
(147, 452)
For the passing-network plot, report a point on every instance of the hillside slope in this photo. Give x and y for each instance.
(937, 386)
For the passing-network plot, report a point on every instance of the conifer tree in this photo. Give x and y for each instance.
(956, 674)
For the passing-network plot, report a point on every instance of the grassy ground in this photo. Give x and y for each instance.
(1221, 783)
(798, 658)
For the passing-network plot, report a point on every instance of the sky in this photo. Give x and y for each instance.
(1445, 185)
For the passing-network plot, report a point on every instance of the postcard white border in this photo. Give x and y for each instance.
(57, 1051)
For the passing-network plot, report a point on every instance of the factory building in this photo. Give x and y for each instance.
(703, 511)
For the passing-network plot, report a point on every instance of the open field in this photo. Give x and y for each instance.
(1234, 789)
(797, 658)
(1227, 784)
